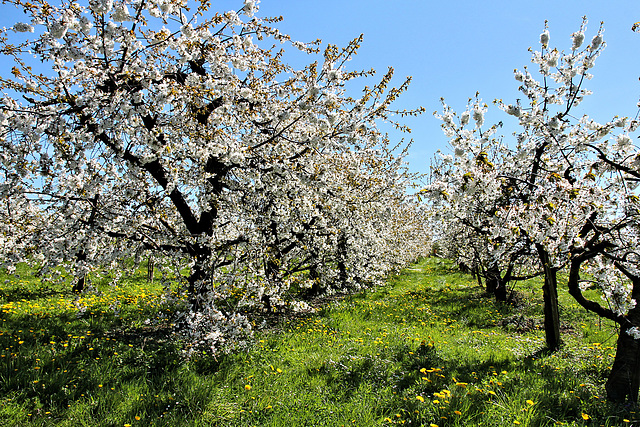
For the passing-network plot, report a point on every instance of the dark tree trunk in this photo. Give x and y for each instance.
(150, 269)
(501, 291)
(78, 286)
(315, 289)
(342, 258)
(492, 277)
(197, 287)
(495, 284)
(624, 379)
(550, 297)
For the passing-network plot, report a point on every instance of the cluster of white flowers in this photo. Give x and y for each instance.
(209, 331)
(549, 199)
(180, 136)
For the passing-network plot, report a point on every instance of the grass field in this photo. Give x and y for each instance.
(428, 349)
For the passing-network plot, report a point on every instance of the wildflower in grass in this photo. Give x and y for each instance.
(420, 398)
(530, 402)
(433, 425)
(457, 412)
(247, 387)
(585, 416)
(461, 384)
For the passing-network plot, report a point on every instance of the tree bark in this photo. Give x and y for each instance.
(495, 284)
(342, 258)
(550, 297)
(196, 287)
(492, 276)
(150, 269)
(624, 379)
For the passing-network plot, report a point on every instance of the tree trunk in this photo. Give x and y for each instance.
(315, 289)
(196, 288)
(78, 286)
(501, 291)
(150, 269)
(624, 379)
(492, 277)
(550, 297)
(495, 284)
(342, 258)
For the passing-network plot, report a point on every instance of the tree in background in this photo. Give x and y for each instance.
(562, 188)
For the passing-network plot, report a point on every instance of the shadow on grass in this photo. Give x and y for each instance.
(493, 385)
(53, 363)
(16, 293)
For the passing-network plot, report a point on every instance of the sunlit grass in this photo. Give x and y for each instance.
(428, 349)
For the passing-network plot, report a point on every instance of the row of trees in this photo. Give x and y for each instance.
(561, 195)
(156, 127)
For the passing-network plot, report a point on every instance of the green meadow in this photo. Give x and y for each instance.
(429, 348)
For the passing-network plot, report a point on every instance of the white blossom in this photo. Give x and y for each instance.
(21, 27)
(544, 38)
(577, 39)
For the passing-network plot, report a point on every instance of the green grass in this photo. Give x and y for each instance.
(429, 348)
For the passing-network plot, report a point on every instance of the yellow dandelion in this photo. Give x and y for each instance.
(461, 384)
(530, 402)
(457, 412)
(585, 416)
(137, 418)
(420, 398)
(247, 387)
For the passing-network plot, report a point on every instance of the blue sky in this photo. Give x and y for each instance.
(455, 48)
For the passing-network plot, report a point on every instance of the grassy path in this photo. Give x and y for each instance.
(428, 349)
